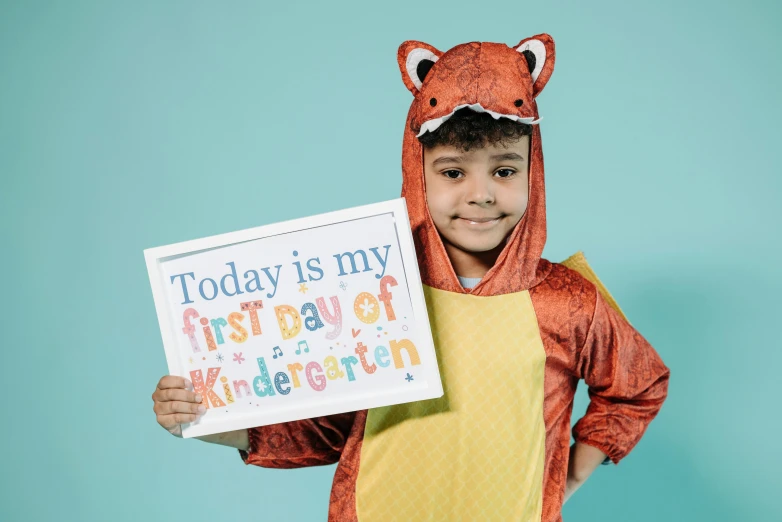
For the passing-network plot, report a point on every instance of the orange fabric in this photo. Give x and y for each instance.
(584, 337)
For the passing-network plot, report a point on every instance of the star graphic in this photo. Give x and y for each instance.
(238, 357)
(409, 377)
(303, 288)
(191, 360)
(219, 357)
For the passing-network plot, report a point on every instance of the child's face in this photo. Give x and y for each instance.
(476, 198)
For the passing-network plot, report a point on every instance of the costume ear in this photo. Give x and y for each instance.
(415, 59)
(539, 52)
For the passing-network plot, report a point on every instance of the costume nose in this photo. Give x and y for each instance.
(480, 190)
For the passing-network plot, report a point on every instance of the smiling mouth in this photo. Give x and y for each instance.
(480, 221)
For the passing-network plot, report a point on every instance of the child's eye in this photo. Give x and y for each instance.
(452, 174)
(505, 173)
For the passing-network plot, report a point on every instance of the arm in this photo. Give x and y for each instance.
(584, 459)
(309, 442)
(627, 384)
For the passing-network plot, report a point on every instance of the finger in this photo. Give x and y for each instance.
(184, 418)
(170, 422)
(170, 381)
(167, 408)
(174, 381)
(167, 421)
(176, 394)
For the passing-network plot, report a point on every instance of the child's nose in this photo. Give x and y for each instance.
(480, 191)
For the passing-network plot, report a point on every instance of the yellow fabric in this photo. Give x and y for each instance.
(579, 263)
(476, 453)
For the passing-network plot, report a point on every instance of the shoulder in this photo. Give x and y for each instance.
(564, 303)
(563, 286)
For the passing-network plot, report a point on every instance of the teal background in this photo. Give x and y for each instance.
(128, 125)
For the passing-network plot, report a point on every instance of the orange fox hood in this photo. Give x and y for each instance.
(489, 77)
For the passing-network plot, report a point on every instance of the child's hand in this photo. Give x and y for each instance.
(176, 403)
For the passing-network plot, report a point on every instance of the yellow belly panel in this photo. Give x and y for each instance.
(476, 453)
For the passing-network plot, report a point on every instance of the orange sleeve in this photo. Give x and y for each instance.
(627, 383)
(309, 442)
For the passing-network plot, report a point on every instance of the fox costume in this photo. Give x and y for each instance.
(483, 451)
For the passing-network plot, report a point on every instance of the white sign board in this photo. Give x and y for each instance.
(299, 319)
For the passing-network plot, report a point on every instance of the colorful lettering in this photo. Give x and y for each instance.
(385, 296)
(294, 369)
(253, 307)
(361, 351)
(205, 389)
(262, 384)
(334, 319)
(317, 382)
(407, 344)
(282, 312)
(234, 318)
(189, 329)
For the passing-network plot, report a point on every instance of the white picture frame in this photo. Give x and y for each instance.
(345, 232)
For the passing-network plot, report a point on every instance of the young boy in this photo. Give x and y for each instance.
(496, 445)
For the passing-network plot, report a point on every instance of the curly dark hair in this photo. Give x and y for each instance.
(467, 129)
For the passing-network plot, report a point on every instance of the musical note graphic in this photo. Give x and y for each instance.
(306, 348)
(275, 352)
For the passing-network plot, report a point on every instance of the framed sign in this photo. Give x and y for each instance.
(299, 319)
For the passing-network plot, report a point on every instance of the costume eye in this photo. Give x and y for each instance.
(505, 173)
(452, 174)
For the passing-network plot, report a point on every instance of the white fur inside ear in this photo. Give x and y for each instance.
(539, 50)
(414, 57)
